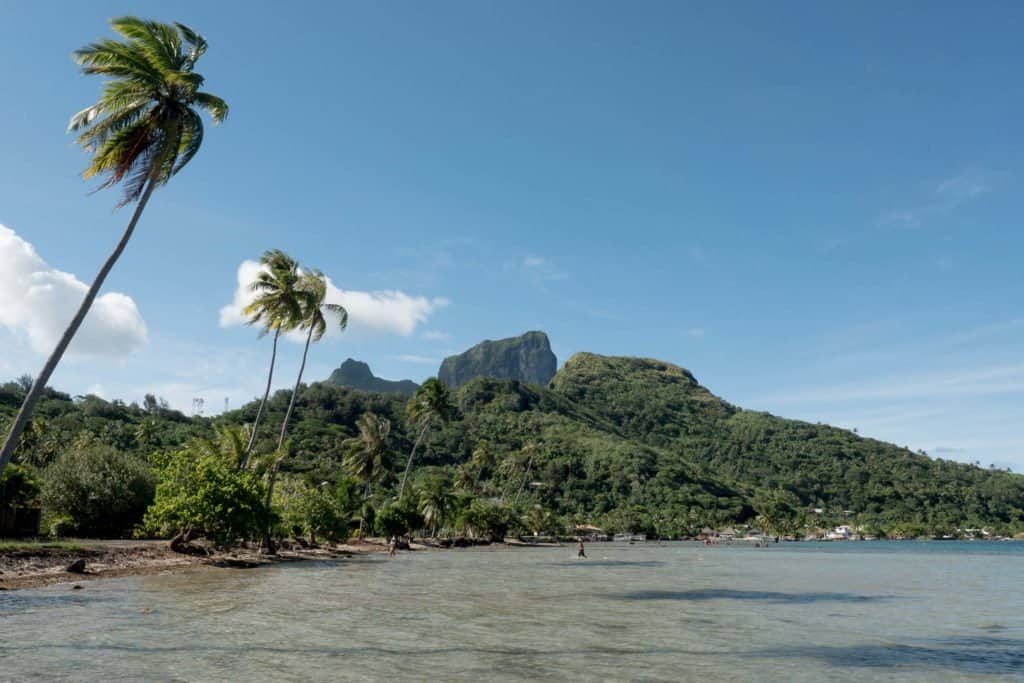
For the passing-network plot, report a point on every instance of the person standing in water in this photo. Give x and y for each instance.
(392, 545)
(580, 552)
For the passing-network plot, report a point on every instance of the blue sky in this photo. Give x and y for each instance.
(813, 208)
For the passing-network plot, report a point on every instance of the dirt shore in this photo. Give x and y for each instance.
(31, 566)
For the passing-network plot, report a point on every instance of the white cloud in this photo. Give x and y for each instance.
(435, 335)
(37, 301)
(378, 312)
(943, 198)
(696, 332)
(533, 262)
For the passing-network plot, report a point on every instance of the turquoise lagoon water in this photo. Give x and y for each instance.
(647, 612)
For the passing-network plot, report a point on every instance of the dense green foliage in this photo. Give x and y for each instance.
(96, 490)
(622, 443)
(206, 494)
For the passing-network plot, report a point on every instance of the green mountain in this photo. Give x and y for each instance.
(357, 375)
(624, 443)
(639, 443)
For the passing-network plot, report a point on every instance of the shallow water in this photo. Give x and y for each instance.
(673, 612)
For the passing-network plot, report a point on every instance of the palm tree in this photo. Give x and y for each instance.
(229, 443)
(538, 520)
(143, 130)
(465, 480)
(432, 401)
(435, 504)
(366, 454)
(276, 308)
(311, 290)
(482, 457)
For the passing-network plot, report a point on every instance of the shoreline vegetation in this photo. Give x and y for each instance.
(39, 563)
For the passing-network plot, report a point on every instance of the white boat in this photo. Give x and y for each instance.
(629, 538)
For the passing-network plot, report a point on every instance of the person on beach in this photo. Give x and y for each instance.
(392, 545)
(580, 552)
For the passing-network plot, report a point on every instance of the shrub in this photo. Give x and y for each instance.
(102, 491)
(19, 487)
(208, 495)
(308, 510)
(398, 519)
(486, 519)
(19, 501)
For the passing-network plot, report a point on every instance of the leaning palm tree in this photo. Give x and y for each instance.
(432, 401)
(143, 130)
(530, 452)
(366, 453)
(276, 308)
(312, 290)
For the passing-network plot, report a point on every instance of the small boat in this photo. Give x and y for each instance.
(629, 538)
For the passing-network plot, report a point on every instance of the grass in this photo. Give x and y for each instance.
(21, 544)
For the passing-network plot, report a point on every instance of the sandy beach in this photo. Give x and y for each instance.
(32, 565)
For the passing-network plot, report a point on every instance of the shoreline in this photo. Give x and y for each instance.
(35, 566)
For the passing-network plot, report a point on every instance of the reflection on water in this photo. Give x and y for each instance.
(674, 612)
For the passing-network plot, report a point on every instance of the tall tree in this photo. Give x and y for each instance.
(436, 502)
(312, 290)
(366, 454)
(276, 309)
(482, 458)
(431, 402)
(143, 130)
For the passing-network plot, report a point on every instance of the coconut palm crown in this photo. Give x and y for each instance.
(146, 125)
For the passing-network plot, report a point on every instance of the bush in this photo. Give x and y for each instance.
(102, 491)
(486, 519)
(19, 501)
(398, 519)
(19, 487)
(313, 511)
(208, 495)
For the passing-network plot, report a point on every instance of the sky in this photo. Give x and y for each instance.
(814, 207)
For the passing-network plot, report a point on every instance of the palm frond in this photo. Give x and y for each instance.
(146, 126)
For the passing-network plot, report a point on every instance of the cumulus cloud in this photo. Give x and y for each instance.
(378, 312)
(37, 301)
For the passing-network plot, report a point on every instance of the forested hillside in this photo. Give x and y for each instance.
(624, 443)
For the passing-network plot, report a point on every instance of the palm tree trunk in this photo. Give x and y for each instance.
(295, 390)
(39, 384)
(268, 543)
(408, 465)
(263, 403)
(526, 475)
